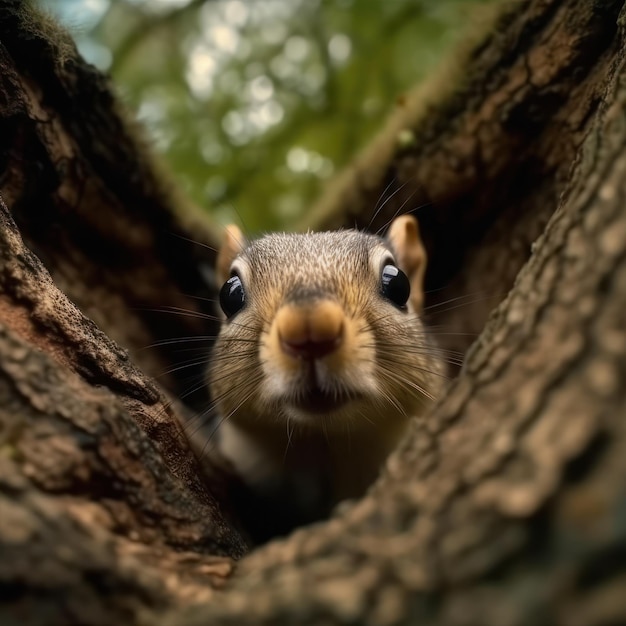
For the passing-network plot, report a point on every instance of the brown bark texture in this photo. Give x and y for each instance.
(504, 506)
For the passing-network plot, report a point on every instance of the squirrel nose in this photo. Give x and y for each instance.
(310, 332)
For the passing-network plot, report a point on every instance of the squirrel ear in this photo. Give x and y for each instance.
(234, 242)
(404, 236)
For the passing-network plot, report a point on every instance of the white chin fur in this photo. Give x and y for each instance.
(278, 385)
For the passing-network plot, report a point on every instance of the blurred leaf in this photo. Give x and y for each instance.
(255, 103)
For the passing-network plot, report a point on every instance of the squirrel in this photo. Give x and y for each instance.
(321, 359)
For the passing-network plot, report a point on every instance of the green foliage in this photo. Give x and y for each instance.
(255, 103)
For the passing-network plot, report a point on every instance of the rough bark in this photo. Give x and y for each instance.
(94, 204)
(504, 506)
(97, 482)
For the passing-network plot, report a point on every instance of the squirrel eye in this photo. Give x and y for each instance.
(395, 285)
(232, 296)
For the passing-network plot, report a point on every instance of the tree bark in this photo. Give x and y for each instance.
(503, 506)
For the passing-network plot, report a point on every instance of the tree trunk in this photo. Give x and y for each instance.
(504, 506)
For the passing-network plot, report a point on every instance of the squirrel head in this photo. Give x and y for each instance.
(322, 328)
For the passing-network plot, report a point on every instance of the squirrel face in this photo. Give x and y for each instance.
(322, 329)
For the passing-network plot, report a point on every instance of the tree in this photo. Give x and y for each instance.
(503, 506)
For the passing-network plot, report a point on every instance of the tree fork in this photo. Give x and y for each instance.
(502, 507)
